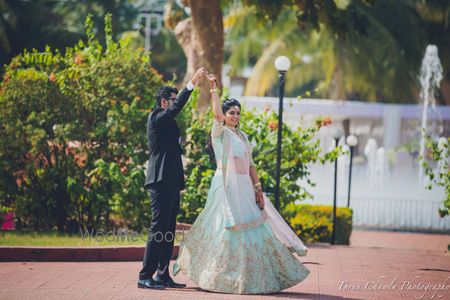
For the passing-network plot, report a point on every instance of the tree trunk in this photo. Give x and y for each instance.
(335, 89)
(202, 39)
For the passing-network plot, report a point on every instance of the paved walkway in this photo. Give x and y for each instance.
(378, 265)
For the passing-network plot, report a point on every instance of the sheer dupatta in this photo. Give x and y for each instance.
(282, 230)
(235, 165)
(234, 161)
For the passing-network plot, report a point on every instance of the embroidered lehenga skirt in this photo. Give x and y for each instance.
(246, 258)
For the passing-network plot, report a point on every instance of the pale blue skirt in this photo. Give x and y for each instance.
(248, 261)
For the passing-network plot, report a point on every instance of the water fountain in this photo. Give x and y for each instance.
(430, 78)
(370, 151)
(382, 167)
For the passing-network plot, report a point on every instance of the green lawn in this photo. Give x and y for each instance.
(54, 239)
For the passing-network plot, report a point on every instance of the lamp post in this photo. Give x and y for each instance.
(352, 141)
(336, 132)
(151, 14)
(282, 64)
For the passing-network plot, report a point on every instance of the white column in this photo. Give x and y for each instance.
(392, 123)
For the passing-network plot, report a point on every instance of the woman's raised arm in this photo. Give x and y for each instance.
(216, 106)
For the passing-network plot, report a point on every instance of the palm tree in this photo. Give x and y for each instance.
(380, 66)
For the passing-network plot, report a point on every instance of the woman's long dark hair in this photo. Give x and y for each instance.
(226, 105)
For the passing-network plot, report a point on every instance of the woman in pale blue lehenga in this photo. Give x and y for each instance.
(239, 243)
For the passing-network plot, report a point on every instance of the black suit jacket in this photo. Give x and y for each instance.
(163, 136)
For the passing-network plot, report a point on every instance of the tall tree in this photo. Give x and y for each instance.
(201, 34)
(201, 37)
(381, 66)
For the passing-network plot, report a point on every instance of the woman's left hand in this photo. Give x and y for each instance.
(260, 199)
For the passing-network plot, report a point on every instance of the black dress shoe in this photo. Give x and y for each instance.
(169, 283)
(150, 284)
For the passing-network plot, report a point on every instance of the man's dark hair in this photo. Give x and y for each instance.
(165, 92)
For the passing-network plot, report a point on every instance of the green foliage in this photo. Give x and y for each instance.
(314, 223)
(299, 149)
(73, 129)
(440, 175)
(34, 24)
(167, 56)
(380, 66)
(340, 16)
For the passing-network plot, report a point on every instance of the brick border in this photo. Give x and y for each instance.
(125, 253)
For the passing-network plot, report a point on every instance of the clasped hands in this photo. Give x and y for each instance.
(200, 73)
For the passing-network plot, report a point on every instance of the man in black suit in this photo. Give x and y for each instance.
(164, 180)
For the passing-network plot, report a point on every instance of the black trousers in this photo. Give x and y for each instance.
(165, 203)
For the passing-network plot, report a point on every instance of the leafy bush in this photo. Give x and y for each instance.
(73, 142)
(314, 223)
(439, 175)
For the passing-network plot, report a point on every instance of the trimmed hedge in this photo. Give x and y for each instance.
(314, 223)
